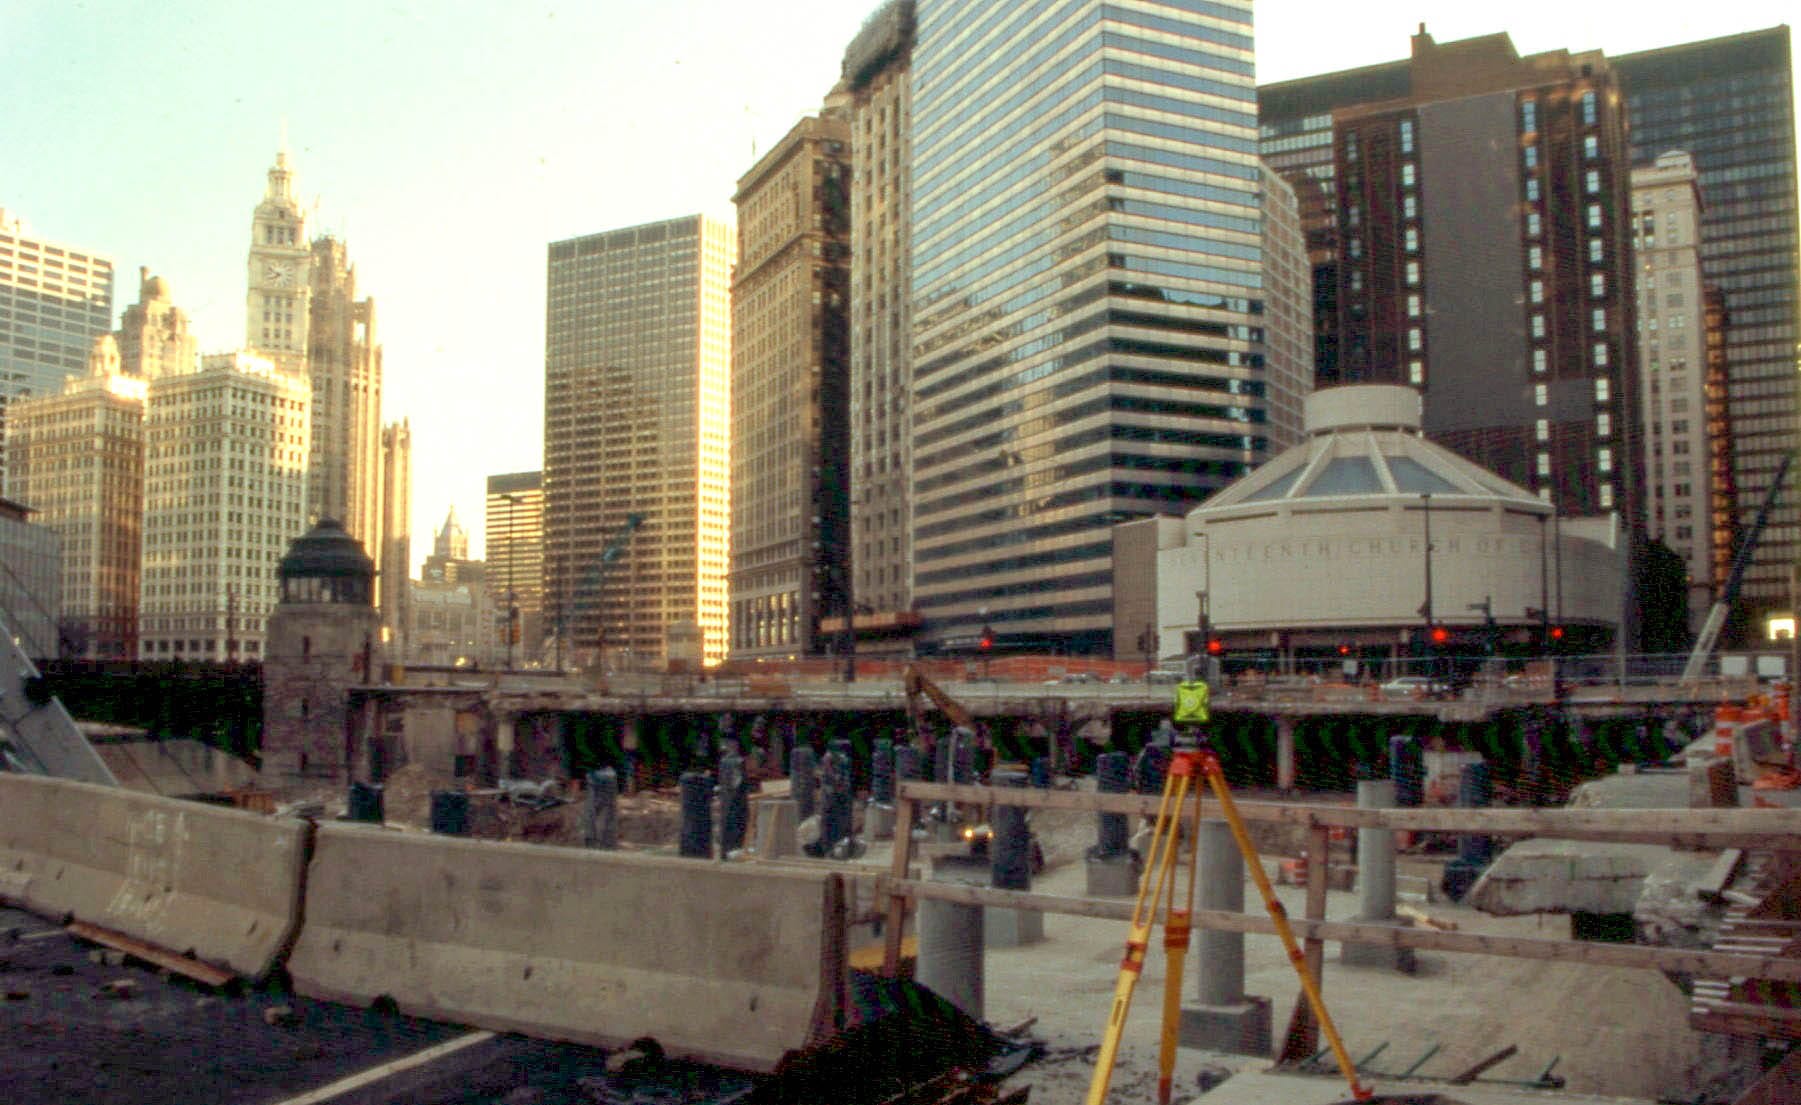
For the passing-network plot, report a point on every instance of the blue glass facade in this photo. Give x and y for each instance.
(1087, 298)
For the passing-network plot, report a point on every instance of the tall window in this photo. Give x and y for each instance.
(1588, 108)
(1591, 182)
(1528, 116)
(1406, 135)
(1591, 147)
(1407, 179)
(1594, 216)
(1416, 372)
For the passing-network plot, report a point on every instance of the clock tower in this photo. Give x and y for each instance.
(277, 308)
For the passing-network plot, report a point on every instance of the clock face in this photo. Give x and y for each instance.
(279, 273)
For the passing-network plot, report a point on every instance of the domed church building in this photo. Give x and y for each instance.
(1367, 542)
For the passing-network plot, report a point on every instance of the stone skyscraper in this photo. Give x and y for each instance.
(878, 73)
(790, 384)
(1087, 299)
(55, 300)
(394, 564)
(153, 336)
(344, 363)
(280, 271)
(1673, 341)
(637, 422)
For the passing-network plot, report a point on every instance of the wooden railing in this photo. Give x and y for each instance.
(1778, 830)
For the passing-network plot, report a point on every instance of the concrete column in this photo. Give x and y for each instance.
(1010, 868)
(1285, 753)
(505, 740)
(1224, 1017)
(600, 810)
(951, 940)
(803, 780)
(836, 801)
(631, 740)
(1376, 883)
(1474, 852)
(878, 817)
(1113, 868)
(1407, 771)
(734, 804)
(697, 815)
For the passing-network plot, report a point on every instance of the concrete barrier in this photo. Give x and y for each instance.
(725, 963)
(219, 884)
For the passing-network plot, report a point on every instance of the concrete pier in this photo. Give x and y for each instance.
(1224, 1017)
(951, 939)
(1010, 868)
(1376, 883)
(1113, 868)
(600, 810)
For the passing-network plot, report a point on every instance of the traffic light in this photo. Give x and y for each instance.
(1344, 650)
(1557, 633)
(1440, 635)
(1215, 646)
(987, 639)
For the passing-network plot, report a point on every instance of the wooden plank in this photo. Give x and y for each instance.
(1677, 960)
(1719, 876)
(906, 810)
(204, 973)
(1766, 829)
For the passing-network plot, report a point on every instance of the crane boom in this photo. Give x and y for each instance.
(1716, 615)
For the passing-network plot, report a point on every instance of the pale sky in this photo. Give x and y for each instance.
(448, 142)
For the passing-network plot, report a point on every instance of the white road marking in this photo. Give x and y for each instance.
(386, 1070)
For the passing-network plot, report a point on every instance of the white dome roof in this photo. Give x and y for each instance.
(1364, 443)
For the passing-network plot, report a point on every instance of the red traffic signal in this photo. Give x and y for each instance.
(1557, 633)
(1440, 634)
(1344, 650)
(987, 639)
(1215, 646)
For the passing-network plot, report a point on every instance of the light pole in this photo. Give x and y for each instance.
(1426, 607)
(1205, 595)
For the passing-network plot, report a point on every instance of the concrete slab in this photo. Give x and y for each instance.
(1113, 878)
(1254, 1088)
(1566, 876)
(1241, 1029)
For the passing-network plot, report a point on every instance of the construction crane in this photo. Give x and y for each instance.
(1716, 616)
(597, 572)
(917, 684)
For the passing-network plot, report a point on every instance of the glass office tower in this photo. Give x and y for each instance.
(1730, 104)
(1087, 298)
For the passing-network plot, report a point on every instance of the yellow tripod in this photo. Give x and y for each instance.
(1158, 891)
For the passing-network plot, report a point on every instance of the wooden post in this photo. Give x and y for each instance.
(898, 869)
(1302, 1038)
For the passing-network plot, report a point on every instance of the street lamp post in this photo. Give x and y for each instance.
(1205, 595)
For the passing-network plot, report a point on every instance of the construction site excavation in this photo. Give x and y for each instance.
(522, 888)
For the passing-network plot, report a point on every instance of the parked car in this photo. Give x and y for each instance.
(1415, 686)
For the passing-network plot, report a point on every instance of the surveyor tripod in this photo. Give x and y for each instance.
(1157, 891)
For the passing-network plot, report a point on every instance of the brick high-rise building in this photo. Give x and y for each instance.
(790, 385)
(1730, 103)
(78, 460)
(637, 422)
(877, 73)
(1483, 256)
